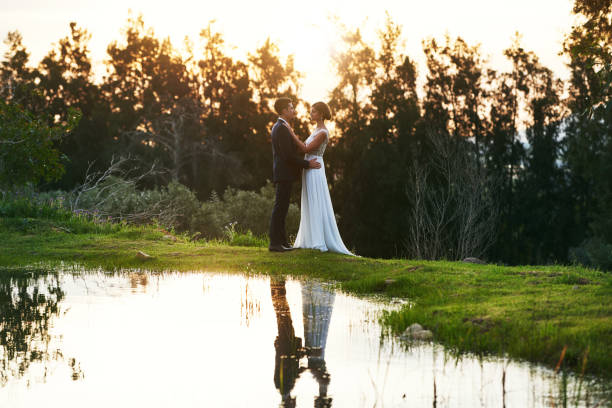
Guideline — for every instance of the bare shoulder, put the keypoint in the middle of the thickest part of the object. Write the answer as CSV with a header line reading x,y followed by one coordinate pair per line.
x,y
323,131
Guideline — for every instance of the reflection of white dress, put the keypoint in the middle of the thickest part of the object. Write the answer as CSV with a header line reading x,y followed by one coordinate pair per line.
x,y
317,306
318,229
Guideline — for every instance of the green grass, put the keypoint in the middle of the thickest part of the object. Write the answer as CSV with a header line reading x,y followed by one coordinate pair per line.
x,y
527,312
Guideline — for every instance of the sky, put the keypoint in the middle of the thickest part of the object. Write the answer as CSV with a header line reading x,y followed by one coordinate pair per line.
x,y
307,29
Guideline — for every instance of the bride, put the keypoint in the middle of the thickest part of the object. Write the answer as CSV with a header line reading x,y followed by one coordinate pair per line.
x,y
318,229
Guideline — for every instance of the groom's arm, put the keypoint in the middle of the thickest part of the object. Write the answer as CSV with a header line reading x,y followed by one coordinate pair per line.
x,y
287,149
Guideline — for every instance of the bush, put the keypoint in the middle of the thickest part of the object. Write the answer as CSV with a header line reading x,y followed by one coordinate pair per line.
x,y
240,218
118,199
251,210
210,220
37,214
594,253
235,238
247,211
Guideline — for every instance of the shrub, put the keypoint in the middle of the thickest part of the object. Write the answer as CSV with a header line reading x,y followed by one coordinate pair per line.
x,y
247,211
235,238
240,217
594,253
118,199
211,218
251,210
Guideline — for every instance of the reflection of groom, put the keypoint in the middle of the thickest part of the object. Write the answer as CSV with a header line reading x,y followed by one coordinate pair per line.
x,y
288,346
287,166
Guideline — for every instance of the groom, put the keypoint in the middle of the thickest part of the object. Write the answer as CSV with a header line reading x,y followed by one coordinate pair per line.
x,y
288,163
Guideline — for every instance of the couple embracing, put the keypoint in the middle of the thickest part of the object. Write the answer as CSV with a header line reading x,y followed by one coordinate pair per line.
x,y
318,229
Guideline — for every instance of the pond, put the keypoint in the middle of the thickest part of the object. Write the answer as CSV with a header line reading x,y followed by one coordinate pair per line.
x,y
136,338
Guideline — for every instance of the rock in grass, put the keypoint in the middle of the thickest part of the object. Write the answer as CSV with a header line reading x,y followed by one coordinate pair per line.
x,y
413,328
416,332
142,255
170,237
474,260
389,282
423,335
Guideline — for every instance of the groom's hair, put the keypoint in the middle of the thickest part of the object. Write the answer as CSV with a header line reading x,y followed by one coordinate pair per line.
x,y
281,104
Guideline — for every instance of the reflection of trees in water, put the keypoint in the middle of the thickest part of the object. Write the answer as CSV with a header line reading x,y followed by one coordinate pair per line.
x,y
28,304
317,304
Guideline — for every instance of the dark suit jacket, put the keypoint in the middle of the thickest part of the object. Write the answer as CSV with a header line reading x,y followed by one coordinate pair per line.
x,y
288,160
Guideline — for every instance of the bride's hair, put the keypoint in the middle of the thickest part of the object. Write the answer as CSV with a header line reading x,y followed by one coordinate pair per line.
x,y
323,109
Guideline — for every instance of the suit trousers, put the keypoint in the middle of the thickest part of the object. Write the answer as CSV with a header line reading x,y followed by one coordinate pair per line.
x,y
278,232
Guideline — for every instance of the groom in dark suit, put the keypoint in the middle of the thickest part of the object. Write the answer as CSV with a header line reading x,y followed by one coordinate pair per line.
x,y
287,167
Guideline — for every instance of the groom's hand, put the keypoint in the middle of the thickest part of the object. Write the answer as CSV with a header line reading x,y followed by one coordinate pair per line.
x,y
314,164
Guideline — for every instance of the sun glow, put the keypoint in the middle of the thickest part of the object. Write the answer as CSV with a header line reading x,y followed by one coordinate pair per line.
x,y
308,30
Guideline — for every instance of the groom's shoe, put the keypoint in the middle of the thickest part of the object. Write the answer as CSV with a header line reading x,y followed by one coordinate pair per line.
x,y
277,248
288,247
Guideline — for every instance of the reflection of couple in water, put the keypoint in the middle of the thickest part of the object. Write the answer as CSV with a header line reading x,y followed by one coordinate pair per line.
x,y
317,304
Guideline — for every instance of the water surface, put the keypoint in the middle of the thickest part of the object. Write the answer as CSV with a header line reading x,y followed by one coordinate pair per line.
x,y
75,338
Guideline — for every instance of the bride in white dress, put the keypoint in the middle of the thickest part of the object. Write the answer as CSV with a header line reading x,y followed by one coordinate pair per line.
x,y
318,229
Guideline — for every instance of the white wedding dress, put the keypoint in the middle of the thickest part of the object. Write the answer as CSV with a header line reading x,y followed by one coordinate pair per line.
x,y
318,229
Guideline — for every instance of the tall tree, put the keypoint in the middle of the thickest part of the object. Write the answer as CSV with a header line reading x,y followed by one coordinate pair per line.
x,y
66,81
376,111
588,153
456,98
150,97
18,79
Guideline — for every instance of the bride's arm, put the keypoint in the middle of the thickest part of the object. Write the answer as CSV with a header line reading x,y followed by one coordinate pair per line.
x,y
314,144
303,147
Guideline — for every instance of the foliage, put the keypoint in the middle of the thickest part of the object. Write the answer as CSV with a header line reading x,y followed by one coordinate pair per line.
x,y
27,153
34,214
241,217
594,253
454,204
235,238
245,211
204,117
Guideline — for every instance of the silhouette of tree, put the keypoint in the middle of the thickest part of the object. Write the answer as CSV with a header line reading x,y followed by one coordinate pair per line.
x,y
18,83
588,135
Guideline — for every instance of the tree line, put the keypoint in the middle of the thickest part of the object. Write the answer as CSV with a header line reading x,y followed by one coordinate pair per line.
x,y
512,166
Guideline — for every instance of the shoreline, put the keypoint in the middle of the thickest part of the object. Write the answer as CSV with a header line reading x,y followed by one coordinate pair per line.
x,y
529,313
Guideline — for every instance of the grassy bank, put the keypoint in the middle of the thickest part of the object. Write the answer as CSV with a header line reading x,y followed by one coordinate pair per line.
x,y
529,312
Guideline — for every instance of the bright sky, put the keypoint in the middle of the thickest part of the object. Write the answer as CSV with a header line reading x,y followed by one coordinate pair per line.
x,y
302,28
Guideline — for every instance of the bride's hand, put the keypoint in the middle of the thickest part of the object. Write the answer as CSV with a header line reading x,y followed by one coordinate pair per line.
x,y
297,139
290,129
301,145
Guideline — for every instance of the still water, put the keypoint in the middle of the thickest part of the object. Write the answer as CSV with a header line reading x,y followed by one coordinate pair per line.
x,y
76,338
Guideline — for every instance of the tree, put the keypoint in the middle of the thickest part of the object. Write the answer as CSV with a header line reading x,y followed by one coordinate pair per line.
x,y
376,114
151,98
456,98
453,203
27,154
18,79
66,81
588,145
